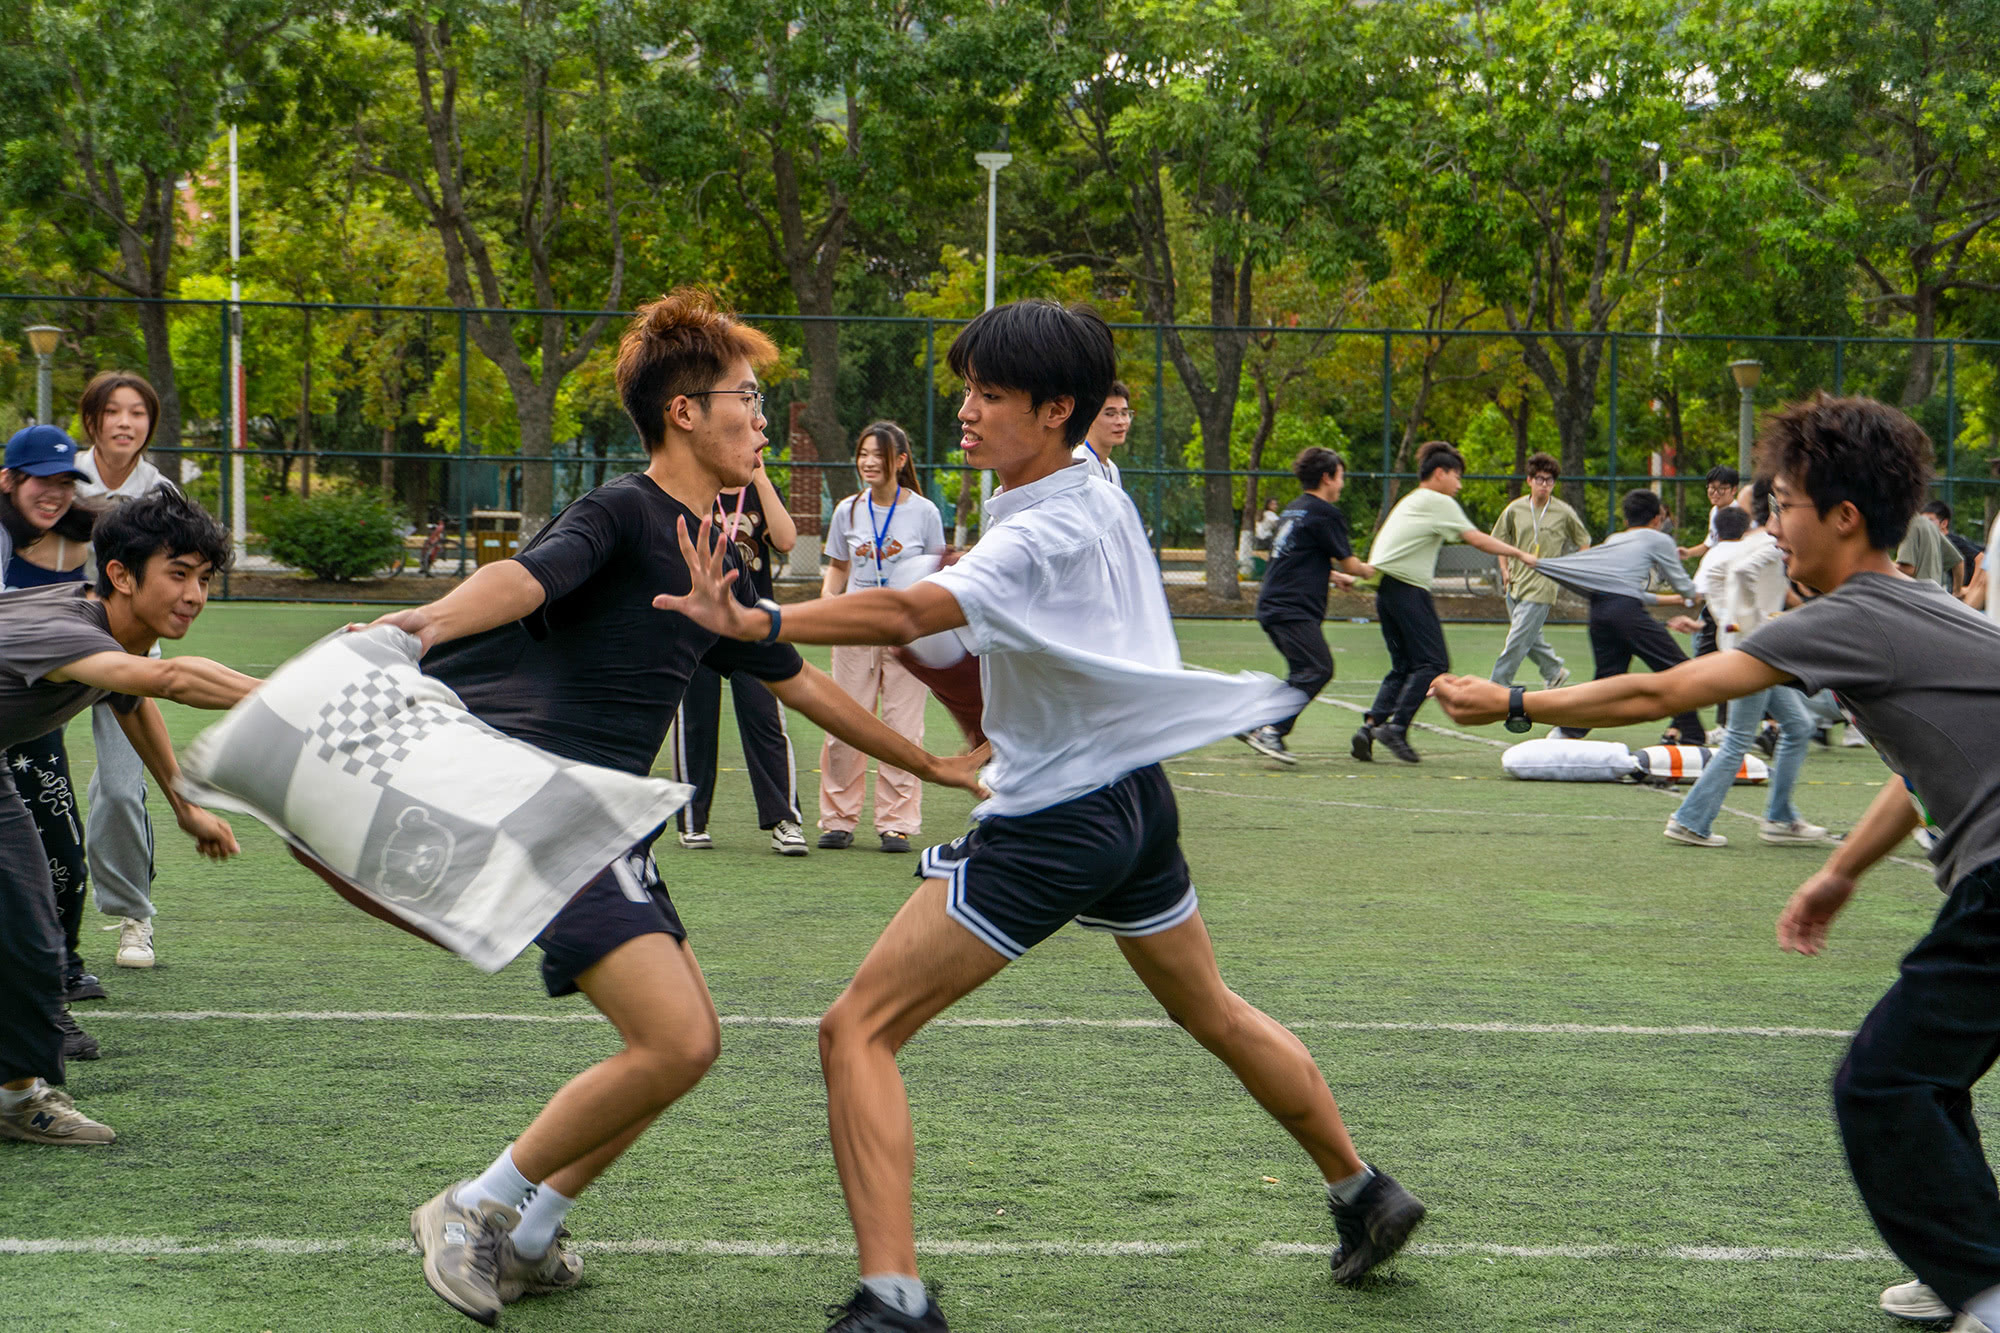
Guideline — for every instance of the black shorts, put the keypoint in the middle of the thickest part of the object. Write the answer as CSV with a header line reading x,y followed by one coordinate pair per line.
x,y
627,899
1109,860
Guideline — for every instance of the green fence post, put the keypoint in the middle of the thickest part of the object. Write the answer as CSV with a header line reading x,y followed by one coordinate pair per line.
x,y
1388,418
1159,438
464,444
228,437
1839,366
1611,484
930,409
1950,419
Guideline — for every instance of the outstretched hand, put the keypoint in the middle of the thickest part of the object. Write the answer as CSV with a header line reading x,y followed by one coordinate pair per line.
x,y
962,771
710,601
1471,701
1802,926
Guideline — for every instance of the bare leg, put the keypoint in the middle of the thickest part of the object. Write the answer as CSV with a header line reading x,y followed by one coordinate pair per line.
x,y
652,990
923,963
1178,967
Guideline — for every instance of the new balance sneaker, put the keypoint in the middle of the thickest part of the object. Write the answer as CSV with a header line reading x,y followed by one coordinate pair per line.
x,y
1788,833
1372,1227
1397,740
49,1116
1362,747
836,840
698,841
520,1276
895,842
1267,742
787,839
461,1251
1680,832
865,1313
135,942
77,1044
80,985
1916,1303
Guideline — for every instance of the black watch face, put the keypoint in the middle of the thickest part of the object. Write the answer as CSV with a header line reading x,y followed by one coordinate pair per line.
x,y
1518,724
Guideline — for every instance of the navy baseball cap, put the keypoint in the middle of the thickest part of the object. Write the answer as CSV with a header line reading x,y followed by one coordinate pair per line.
x,y
42,451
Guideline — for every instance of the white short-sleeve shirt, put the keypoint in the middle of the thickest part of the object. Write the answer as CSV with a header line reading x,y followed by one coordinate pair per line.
x,y
1064,604
1098,463
873,540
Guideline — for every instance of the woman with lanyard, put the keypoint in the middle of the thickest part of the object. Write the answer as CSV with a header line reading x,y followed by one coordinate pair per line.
x,y
44,539
119,411
871,533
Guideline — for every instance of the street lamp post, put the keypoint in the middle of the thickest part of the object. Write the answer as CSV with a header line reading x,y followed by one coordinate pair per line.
x,y
238,520
993,162
1747,374
43,338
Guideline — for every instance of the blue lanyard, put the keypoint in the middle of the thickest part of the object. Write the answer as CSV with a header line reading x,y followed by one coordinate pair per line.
x,y
882,535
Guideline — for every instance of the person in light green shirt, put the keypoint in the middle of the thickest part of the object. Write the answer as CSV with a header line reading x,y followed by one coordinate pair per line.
x,y
1540,523
1405,554
1927,553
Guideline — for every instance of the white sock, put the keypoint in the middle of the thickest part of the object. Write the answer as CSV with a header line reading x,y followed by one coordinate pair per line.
x,y
899,1291
10,1098
1345,1189
1985,1307
500,1182
540,1220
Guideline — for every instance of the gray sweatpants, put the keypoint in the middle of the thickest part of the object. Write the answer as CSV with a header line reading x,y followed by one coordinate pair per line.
x,y
118,834
1525,640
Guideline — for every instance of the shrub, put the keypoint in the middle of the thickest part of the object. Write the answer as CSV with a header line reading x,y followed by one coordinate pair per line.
x,y
337,535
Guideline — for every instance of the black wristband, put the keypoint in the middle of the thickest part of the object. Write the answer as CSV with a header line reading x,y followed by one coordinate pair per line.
x,y
1517,709
770,608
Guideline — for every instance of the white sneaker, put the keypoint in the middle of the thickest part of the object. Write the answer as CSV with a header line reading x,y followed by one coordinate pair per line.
x,y
49,1116
698,842
1562,679
1680,832
1796,831
135,942
788,840
1915,1302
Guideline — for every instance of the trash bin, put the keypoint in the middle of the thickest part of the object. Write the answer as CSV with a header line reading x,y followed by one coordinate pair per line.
x,y
496,534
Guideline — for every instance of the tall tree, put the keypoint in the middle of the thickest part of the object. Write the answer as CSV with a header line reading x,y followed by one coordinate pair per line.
x,y
505,127
111,105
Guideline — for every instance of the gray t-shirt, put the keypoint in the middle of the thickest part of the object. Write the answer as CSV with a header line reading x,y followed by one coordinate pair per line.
x,y
1921,670
41,630
1624,566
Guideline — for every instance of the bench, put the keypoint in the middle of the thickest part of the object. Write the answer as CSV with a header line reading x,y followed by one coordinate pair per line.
x,y
1469,563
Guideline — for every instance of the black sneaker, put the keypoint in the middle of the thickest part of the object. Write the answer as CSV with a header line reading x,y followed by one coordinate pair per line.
x,y
835,840
1373,1227
1767,741
1267,742
77,1044
895,842
864,1313
1363,745
1397,739
81,985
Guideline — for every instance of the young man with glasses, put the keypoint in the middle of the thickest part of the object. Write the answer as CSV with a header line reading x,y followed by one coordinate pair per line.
x,y
1540,523
1107,432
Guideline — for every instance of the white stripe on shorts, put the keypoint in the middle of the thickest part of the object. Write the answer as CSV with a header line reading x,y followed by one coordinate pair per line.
x,y
959,910
1151,925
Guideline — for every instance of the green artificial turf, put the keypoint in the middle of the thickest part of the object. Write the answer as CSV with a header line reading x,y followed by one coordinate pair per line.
x,y
1069,1177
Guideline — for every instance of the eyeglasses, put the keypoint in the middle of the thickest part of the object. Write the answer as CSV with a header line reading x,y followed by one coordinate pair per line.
x,y
1780,506
1116,414
750,396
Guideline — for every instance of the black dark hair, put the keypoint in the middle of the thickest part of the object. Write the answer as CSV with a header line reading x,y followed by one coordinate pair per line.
x,y
1760,501
1724,475
1314,465
1731,523
75,524
1437,456
1640,507
1118,390
1851,451
1043,349
163,523
1543,465
1941,509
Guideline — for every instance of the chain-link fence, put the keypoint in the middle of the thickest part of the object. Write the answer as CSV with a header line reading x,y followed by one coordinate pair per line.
x,y
450,416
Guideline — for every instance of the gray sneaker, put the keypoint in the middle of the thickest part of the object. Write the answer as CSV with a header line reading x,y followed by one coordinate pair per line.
x,y
461,1250
1267,742
788,839
49,1116
1915,1303
520,1276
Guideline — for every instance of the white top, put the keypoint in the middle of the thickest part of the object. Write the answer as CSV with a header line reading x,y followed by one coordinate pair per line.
x,y
1713,535
1099,464
144,480
1082,674
1745,588
859,524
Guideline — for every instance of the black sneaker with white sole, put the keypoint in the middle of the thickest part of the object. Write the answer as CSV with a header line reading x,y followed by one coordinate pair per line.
x,y
1397,741
1267,742
1363,745
82,986
1373,1227
865,1313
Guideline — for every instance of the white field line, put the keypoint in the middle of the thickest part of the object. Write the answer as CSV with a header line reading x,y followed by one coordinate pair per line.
x,y
1426,726
1419,809
168,1246
1114,1024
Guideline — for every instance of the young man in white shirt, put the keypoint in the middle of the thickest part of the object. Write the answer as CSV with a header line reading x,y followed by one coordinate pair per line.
x,y
1107,432
1084,696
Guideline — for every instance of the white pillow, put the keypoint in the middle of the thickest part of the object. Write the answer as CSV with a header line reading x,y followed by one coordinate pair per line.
x,y
1560,759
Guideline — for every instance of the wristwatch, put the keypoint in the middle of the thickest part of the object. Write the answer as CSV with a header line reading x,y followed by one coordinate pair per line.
x,y
1517,709
770,608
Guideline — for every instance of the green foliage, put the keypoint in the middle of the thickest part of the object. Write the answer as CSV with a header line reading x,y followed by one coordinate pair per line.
x,y
338,535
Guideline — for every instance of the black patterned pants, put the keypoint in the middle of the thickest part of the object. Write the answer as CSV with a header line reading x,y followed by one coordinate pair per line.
x,y
40,768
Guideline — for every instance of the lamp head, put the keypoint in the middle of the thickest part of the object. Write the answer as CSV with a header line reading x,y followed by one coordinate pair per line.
x,y
1747,373
44,338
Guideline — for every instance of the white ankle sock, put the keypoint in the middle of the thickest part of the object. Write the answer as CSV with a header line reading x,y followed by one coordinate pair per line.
x,y
500,1182
1345,1189
541,1218
899,1291
13,1097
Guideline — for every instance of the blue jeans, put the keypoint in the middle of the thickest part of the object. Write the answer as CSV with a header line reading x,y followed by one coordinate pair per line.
x,y
1746,718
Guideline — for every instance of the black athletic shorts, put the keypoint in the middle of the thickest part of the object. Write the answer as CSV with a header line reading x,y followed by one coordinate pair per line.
x,y
626,900
1109,860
